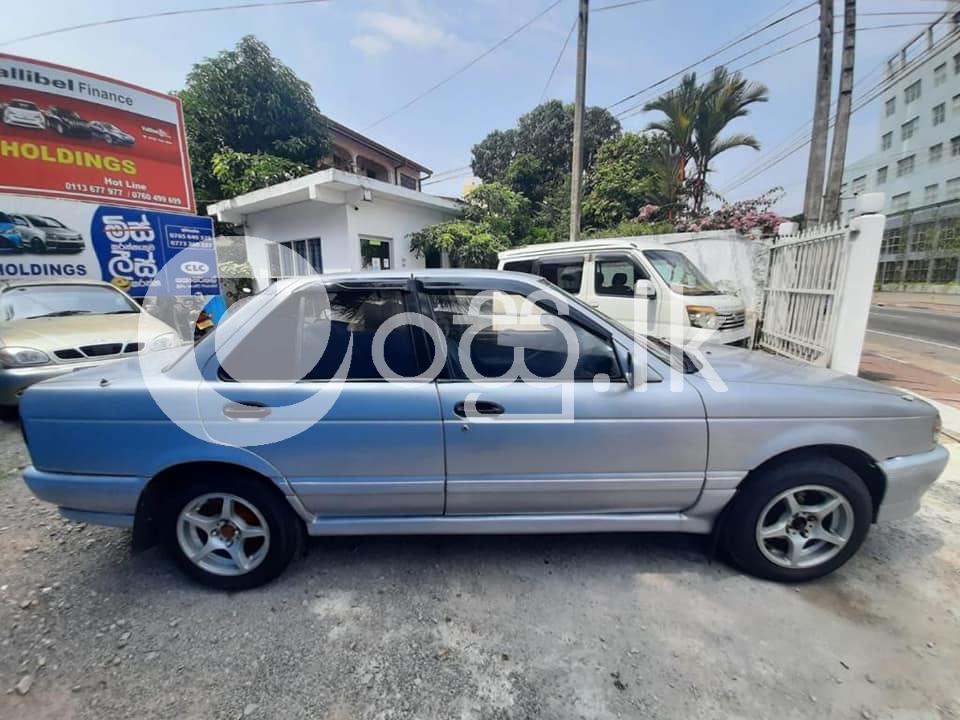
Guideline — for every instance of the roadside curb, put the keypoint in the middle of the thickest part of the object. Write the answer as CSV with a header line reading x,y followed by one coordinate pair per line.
x,y
949,416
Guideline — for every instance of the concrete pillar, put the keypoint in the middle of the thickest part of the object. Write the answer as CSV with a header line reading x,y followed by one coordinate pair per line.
x,y
863,253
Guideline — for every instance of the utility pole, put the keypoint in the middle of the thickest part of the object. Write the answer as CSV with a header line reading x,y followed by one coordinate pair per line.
x,y
576,166
813,197
838,153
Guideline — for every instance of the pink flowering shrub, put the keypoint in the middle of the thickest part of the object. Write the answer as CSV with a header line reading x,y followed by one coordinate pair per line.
x,y
743,216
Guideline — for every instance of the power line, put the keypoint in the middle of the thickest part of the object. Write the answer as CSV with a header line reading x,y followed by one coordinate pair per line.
x,y
553,70
167,13
620,5
466,67
711,55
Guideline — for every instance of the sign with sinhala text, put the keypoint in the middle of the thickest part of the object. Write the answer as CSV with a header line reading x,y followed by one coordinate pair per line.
x,y
71,134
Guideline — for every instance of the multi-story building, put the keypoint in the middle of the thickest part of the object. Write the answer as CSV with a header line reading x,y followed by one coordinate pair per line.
x,y
916,163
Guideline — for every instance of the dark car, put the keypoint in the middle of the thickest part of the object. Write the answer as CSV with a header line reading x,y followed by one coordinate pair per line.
x,y
110,133
67,122
10,238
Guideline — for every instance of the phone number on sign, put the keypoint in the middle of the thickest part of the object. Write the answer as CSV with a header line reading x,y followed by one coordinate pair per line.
x,y
119,192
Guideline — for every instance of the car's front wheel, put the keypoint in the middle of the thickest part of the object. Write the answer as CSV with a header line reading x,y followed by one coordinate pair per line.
x,y
231,533
798,521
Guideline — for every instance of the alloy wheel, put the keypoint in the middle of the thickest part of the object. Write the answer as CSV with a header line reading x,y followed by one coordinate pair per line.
x,y
805,526
223,534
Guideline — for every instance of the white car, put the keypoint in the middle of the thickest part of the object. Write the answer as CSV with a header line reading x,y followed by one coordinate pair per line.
x,y
644,285
24,113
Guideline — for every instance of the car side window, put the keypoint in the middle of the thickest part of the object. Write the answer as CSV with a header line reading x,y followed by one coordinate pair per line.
x,y
504,325
616,275
306,338
564,272
524,266
19,221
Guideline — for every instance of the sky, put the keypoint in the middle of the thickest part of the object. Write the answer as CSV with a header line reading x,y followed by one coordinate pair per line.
x,y
367,58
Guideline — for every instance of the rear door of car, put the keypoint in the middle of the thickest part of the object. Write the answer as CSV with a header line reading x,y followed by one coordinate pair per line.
x,y
349,442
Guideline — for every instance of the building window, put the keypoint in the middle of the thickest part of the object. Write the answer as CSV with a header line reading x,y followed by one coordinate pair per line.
x,y
949,234
911,93
944,270
909,128
881,175
916,271
302,257
888,272
900,202
930,193
939,75
886,142
953,188
859,184
956,105
921,235
905,165
936,152
408,182
955,146
956,64
939,114
891,106
892,242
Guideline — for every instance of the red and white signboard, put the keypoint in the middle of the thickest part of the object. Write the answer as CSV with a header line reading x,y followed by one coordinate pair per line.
x,y
72,134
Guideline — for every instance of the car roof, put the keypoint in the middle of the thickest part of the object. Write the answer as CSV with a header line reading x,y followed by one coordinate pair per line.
x,y
623,243
12,284
428,274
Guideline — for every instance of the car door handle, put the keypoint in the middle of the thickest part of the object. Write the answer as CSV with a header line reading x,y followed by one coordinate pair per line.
x,y
245,411
483,407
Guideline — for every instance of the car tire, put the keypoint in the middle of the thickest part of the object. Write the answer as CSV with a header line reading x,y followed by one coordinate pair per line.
x,y
264,532
36,246
779,528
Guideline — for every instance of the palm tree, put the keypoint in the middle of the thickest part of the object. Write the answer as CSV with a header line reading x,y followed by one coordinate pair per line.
x,y
696,115
680,106
723,99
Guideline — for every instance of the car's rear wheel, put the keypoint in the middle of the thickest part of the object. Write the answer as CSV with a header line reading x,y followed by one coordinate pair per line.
x,y
230,533
36,245
798,521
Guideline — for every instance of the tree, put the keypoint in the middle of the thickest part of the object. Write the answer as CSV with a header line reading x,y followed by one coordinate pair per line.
x,y
505,212
696,116
725,97
623,179
246,101
240,173
534,157
467,243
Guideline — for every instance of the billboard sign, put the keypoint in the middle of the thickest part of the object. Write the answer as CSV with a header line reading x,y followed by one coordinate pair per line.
x,y
71,134
133,248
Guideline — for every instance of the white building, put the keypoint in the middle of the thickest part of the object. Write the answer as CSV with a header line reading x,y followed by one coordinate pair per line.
x,y
354,215
917,158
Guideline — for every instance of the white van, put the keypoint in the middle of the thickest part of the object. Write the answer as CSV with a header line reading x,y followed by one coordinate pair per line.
x,y
644,285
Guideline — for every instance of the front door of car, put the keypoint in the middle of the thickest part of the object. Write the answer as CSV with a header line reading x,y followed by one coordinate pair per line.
x,y
612,291
349,442
571,435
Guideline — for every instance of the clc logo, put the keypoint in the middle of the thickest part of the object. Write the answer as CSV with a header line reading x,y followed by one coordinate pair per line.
x,y
195,267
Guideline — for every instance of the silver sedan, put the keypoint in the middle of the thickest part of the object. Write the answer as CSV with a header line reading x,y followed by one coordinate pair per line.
x,y
470,402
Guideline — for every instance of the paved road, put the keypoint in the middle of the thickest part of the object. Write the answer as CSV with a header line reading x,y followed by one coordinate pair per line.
x,y
932,327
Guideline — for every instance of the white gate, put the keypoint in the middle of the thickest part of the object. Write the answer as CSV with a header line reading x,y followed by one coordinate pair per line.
x,y
802,298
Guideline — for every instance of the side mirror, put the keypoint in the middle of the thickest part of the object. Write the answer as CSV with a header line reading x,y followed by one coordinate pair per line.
x,y
644,289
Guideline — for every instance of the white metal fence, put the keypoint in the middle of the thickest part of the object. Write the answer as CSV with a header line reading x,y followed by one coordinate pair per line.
x,y
803,295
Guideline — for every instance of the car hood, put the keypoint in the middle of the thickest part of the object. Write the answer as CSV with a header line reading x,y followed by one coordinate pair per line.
x,y
735,365
55,333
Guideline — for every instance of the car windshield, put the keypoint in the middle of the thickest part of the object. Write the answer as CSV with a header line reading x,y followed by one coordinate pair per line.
x,y
23,105
45,221
34,301
682,275
68,114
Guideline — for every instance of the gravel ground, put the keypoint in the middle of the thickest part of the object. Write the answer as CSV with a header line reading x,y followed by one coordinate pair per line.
x,y
475,627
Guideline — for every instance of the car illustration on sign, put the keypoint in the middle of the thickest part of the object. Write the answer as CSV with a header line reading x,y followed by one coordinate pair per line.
x,y
10,237
23,113
110,133
311,412
43,234
67,122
